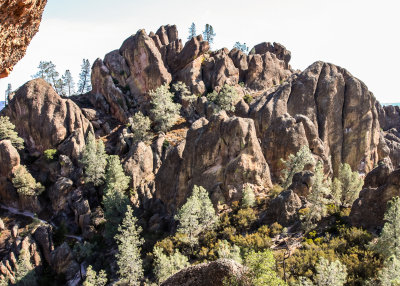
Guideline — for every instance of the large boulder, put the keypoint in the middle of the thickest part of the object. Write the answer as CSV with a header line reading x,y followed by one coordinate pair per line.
x,y
20,20
342,121
222,155
9,158
47,121
369,209
207,274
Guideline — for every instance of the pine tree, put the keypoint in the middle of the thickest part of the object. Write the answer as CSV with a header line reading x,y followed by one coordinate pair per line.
x,y
243,47
129,243
262,265
249,198
24,182
140,126
115,200
167,265
8,94
388,243
7,132
196,215
94,279
47,71
317,198
192,31
225,250
94,160
389,275
164,111
68,83
348,184
295,164
84,84
330,273
225,99
209,34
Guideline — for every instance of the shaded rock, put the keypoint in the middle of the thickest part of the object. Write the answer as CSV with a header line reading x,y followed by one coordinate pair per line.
x,y
62,262
379,175
221,155
43,236
302,183
241,62
9,158
138,164
20,20
389,116
218,70
35,105
283,209
206,274
369,209
59,194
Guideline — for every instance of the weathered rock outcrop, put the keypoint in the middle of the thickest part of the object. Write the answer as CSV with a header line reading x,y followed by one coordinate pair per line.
x,y
326,108
9,158
46,121
222,155
207,274
368,210
20,20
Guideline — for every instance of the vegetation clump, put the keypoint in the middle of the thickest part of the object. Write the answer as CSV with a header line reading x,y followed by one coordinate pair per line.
x,y
26,184
7,132
225,99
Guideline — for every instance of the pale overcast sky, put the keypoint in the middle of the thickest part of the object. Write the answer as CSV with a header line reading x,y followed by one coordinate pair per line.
x,y
359,35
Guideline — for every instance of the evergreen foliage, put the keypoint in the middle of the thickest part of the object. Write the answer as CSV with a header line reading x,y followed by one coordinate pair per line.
x,y
295,164
84,84
317,198
94,160
140,126
94,279
389,275
388,243
25,274
164,111
196,215
208,34
228,251
47,71
347,185
225,99
249,198
262,265
115,199
167,265
192,31
25,183
243,47
129,245
330,273
8,93
68,83
7,132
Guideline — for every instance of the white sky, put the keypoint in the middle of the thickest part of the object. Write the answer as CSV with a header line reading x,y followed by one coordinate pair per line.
x,y
359,35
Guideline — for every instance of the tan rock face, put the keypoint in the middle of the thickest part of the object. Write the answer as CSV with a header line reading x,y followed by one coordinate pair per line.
x,y
9,158
326,107
20,20
221,155
206,274
47,121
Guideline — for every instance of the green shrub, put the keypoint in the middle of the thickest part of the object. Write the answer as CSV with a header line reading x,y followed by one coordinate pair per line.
x,y
248,98
25,183
50,154
225,99
7,132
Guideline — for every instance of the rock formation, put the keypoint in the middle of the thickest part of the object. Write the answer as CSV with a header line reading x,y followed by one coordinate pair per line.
x,y
206,274
20,20
222,155
46,121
